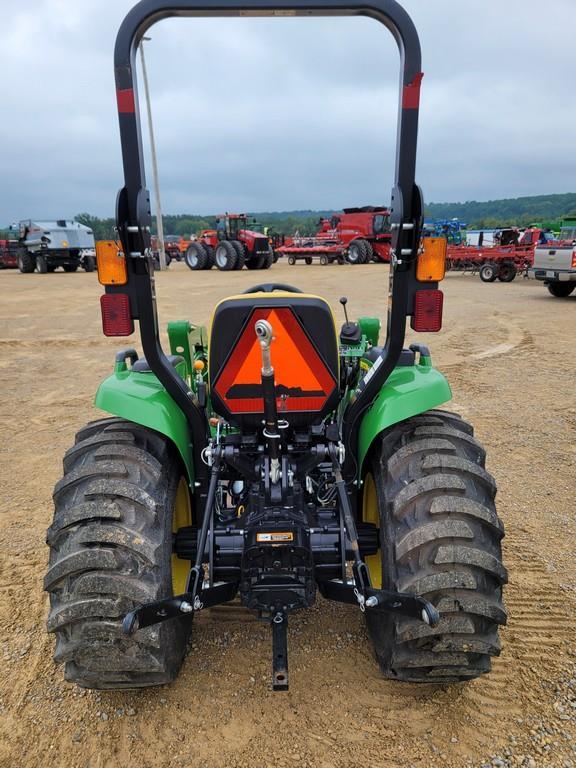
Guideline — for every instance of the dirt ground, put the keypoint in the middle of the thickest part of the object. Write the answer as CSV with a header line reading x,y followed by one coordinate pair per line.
x,y
508,350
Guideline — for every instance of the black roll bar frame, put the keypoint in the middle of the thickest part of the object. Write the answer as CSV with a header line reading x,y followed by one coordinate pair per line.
x,y
133,213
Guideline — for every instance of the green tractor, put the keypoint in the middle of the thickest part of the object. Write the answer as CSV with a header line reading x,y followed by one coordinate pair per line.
x,y
274,457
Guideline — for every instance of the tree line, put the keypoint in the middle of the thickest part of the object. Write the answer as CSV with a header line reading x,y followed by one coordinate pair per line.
x,y
520,211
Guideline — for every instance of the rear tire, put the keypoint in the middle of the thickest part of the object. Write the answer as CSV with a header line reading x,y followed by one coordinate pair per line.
x,y
41,264
561,290
210,252
26,263
440,537
507,273
196,256
324,260
226,256
488,273
292,261
88,264
111,550
240,253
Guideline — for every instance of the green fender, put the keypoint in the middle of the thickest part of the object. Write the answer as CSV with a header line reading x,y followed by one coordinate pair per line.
x,y
139,397
410,390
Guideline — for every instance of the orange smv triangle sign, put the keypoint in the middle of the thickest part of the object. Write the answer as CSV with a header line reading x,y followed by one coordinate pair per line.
x,y
303,382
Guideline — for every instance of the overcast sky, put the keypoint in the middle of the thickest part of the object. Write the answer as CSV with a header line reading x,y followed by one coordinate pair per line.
x,y
283,114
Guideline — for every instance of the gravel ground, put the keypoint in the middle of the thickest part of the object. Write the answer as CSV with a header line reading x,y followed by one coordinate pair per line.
x,y
507,350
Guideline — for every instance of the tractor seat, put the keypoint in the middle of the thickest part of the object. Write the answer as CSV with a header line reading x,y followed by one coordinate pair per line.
x,y
304,355
141,365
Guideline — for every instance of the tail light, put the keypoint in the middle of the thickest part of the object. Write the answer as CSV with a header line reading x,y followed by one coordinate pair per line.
x,y
574,259
427,316
116,317
111,263
431,265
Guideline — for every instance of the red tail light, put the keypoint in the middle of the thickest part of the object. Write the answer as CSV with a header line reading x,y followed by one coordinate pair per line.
x,y
574,259
116,318
427,317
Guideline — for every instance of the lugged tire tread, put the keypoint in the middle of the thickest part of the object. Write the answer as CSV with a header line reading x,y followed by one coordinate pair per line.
x,y
435,582
77,562
81,513
459,466
467,507
432,532
422,486
413,450
106,438
467,440
440,539
461,555
110,551
104,469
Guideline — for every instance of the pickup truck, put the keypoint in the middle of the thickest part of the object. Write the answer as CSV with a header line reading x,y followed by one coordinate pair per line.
x,y
555,265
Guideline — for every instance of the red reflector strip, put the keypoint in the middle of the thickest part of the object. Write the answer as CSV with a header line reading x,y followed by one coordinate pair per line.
x,y
411,93
125,101
427,317
116,318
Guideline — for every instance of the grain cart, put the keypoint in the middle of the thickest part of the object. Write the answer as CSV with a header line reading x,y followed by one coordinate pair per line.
x,y
47,245
273,458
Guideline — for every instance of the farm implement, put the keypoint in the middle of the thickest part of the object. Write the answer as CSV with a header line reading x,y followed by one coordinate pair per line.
x,y
512,254
275,457
357,235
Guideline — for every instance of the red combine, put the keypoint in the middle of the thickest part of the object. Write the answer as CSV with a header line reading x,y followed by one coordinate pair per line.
x,y
511,252
357,235
230,246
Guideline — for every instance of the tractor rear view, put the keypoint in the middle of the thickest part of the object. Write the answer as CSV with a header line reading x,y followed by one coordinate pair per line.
x,y
232,245
275,457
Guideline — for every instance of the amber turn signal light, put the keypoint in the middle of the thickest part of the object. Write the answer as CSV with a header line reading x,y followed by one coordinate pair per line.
x,y
431,266
111,263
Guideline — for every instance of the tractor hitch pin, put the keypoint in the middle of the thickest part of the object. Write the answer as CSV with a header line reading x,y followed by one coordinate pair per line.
x,y
264,333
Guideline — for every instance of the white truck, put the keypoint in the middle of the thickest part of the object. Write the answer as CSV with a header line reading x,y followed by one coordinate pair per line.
x,y
555,265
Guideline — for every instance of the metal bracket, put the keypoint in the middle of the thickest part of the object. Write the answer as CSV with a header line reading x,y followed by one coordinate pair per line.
x,y
178,606
371,599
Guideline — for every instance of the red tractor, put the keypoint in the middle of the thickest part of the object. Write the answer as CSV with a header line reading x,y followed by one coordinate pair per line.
x,y
230,246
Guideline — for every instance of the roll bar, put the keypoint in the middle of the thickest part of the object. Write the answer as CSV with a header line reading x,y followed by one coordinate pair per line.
x,y
133,214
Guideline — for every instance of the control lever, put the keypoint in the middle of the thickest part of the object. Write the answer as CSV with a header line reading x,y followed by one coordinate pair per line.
x,y
350,333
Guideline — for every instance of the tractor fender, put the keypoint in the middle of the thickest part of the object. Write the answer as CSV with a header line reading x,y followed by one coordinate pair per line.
x,y
140,398
409,390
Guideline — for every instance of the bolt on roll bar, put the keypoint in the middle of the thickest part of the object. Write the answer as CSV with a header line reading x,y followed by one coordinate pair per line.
x,y
133,213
